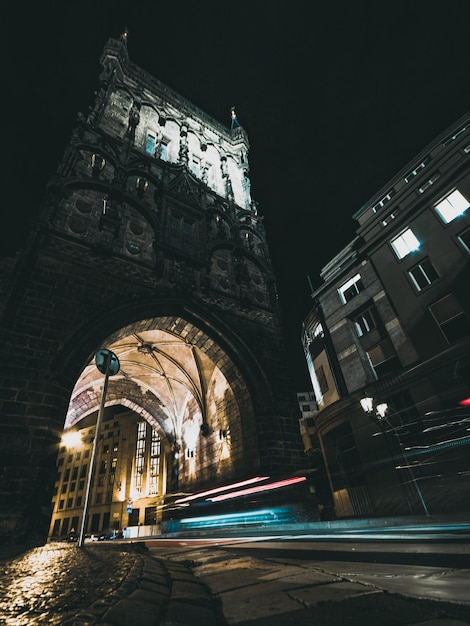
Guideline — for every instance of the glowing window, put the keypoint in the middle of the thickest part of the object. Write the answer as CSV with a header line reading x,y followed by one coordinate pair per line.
x,y
454,205
351,288
195,166
150,143
405,243
164,150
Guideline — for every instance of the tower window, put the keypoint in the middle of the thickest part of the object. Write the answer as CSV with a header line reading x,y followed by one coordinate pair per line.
x,y
150,143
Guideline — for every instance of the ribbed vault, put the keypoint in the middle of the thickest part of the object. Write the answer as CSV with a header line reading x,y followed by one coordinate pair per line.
x,y
177,378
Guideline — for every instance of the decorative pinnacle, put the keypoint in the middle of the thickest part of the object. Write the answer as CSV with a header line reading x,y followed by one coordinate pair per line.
x,y
235,122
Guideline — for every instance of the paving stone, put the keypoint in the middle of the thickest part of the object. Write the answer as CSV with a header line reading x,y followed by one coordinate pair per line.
x,y
180,613
132,612
334,592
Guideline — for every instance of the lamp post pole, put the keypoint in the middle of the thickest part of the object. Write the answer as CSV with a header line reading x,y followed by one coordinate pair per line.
x,y
108,364
380,410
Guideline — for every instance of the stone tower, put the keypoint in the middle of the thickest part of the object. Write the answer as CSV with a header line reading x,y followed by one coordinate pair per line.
x,y
148,244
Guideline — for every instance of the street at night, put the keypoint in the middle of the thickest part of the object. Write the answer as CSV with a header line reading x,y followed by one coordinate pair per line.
x,y
256,580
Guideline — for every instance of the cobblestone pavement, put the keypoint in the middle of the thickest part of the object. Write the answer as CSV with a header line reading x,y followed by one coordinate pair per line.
x,y
131,584
60,584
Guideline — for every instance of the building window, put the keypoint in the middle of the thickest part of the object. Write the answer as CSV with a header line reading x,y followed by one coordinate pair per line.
x,y
196,166
405,243
164,151
78,501
464,239
383,358
99,498
61,504
429,182
365,322
150,143
150,512
181,233
452,206
423,274
140,455
450,316
351,288
155,449
321,377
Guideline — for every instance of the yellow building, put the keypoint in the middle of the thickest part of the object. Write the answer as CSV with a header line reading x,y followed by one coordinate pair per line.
x,y
129,481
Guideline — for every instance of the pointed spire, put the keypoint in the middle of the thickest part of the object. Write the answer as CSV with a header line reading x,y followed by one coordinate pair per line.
x,y
235,122
124,35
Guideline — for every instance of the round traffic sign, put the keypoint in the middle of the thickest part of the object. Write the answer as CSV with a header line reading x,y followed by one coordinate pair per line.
x,y
107,362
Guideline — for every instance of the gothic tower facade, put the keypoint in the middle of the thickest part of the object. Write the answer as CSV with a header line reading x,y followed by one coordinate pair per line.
x,y
148,244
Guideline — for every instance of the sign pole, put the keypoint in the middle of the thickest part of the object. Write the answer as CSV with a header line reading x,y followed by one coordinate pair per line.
x,y
108,364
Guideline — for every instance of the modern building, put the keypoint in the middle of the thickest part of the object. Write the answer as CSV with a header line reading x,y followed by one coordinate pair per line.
x,y
387,344
149,244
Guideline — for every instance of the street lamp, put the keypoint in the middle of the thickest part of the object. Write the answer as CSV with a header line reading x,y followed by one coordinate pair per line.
x,y
108,364
71,439
380,412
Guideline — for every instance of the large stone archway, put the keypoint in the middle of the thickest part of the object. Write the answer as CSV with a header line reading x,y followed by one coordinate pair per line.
x,y
185,385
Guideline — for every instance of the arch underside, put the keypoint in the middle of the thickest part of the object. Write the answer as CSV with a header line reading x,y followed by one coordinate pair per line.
x,y
186,386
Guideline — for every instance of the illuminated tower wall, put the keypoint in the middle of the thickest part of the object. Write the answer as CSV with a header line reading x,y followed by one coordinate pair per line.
x,y
150,244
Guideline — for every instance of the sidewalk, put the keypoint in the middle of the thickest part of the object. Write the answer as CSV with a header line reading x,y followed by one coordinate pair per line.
x,y
129,584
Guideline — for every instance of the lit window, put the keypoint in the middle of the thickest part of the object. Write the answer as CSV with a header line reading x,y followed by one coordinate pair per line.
x,y
351,288
423,274
164,150
405,243
195,166
150,143
454,205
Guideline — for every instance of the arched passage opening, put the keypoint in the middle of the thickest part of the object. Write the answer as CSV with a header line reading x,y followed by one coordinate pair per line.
x,y
179,416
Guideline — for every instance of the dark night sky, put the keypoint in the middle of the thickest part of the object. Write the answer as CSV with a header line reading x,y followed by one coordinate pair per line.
x,y
336,97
